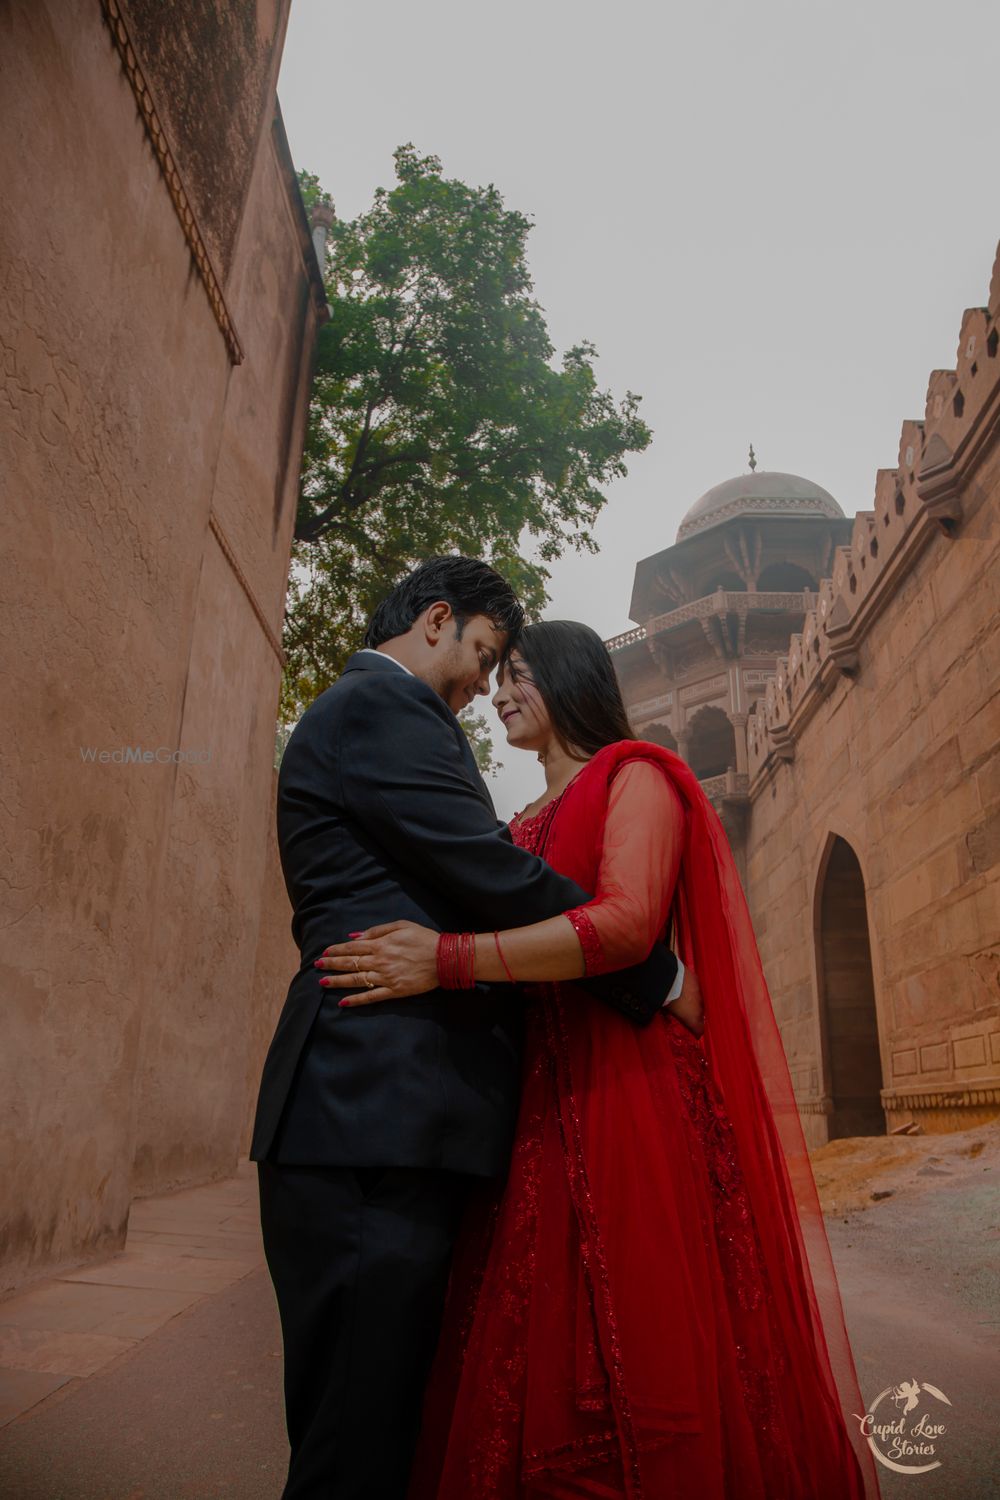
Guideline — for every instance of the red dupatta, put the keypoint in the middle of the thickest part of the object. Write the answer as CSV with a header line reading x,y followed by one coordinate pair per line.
x,y
650,1309
774,1254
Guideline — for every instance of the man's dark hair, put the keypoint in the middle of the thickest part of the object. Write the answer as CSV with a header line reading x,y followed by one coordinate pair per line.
x,y
469,586
573,672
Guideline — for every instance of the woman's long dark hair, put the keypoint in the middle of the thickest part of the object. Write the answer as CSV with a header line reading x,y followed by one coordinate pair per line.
x,y
573,672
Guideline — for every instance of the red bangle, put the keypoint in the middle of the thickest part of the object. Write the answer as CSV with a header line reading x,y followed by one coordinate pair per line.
x,y
456,960
506,966
444,951
449,977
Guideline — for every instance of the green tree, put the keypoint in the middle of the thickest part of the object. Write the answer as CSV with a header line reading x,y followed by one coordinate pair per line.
x,y
438,421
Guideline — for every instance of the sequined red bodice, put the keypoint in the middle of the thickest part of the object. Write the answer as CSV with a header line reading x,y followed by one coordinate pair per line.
x,y
530,831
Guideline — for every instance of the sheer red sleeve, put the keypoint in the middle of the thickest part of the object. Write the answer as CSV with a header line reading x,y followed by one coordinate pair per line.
x,y
640,861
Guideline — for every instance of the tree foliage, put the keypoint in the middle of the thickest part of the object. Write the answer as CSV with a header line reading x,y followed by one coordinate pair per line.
x,y
439,421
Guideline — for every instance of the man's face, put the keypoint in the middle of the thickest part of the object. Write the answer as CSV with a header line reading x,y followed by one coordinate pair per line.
x,y
464,665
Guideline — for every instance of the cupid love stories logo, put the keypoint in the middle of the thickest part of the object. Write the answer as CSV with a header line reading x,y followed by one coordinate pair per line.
x,y
914,1435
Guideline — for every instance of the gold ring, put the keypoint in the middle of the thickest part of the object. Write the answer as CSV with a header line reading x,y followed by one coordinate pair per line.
x,y
369,982
357,964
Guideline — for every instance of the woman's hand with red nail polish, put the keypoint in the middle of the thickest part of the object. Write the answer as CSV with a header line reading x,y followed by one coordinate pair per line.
x,y
391,962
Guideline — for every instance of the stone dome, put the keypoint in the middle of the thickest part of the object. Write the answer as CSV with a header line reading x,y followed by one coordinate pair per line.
x,y
758,494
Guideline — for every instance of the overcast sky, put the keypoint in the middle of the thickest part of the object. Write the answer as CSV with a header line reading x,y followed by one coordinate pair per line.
x,y
768,217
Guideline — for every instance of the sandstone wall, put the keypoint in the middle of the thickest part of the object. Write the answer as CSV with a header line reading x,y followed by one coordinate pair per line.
x,y
276,963
882,728
153,410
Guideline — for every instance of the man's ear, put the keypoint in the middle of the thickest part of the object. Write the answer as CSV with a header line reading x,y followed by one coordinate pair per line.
x,y
436,620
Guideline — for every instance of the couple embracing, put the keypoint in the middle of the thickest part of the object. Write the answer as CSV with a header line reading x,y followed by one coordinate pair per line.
x,y
535,1198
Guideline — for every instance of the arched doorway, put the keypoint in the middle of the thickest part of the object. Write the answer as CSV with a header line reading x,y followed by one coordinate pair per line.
x,y
657,734
728,580
847,998
785,578
711,745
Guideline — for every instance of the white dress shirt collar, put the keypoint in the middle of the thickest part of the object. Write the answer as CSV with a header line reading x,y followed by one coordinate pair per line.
x,y
370,651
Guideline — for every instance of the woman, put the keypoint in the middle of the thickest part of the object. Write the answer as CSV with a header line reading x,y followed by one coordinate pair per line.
x,y
636,1314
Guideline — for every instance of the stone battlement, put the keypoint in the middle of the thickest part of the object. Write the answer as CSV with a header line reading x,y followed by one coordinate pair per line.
x,y
918,501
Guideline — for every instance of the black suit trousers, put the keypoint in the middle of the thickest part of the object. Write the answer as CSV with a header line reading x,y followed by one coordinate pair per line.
x,y
359,1258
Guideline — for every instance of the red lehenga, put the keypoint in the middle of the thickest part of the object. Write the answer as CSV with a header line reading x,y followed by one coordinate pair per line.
x,y
649,1309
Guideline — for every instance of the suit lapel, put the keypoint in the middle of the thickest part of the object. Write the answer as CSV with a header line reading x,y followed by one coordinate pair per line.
x,y
475,774
367,661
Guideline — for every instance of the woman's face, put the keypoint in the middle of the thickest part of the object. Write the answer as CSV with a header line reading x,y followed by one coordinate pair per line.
x,y
521,706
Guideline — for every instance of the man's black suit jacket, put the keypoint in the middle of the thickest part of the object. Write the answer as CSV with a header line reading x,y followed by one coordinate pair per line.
x,y
383,816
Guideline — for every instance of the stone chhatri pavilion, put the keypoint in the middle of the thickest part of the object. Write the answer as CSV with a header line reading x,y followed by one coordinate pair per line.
x,y
716,611
835,684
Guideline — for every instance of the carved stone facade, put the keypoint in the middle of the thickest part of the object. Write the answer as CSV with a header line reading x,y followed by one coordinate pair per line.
x,y
692,671
161,296
860,722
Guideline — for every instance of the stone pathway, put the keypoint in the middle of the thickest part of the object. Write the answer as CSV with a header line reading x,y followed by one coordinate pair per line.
x,y
157,1375
919,1274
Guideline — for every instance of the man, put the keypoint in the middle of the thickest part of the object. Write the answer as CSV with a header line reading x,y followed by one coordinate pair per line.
x,y
373,1123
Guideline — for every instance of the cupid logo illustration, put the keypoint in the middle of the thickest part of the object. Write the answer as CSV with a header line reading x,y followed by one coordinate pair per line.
x,y
894,1438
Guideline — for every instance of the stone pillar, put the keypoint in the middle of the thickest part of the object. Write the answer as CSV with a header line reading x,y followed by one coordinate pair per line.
x,y
739,723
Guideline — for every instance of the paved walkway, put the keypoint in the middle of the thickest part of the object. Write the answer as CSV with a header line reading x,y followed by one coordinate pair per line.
x,y
157,1375
919,1276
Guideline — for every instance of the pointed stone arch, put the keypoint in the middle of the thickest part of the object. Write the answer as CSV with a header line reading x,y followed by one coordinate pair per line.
x,y
658,734
723,578
848,1016
785,578
710,742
